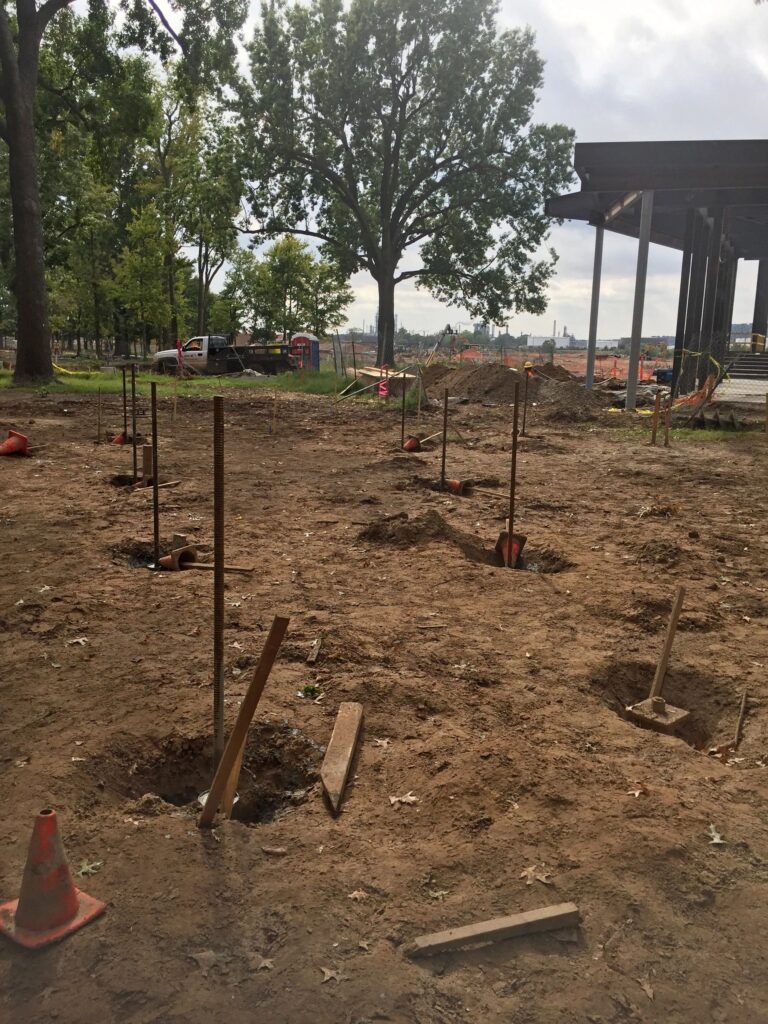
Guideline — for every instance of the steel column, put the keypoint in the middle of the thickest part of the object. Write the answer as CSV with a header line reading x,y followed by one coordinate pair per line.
x,y
760,317
687,379
710,296
646,217
597,270
682,302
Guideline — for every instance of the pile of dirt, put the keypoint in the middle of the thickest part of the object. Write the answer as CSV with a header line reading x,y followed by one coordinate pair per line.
x,y
492,382
553,371
568,402
402,531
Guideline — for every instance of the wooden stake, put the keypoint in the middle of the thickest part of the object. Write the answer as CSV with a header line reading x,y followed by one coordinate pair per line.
x,y
230,790
418,404
525,401
667,418
98,418
661,668
341,749
740,722
655,421
274,411
445,438
512,477
239,733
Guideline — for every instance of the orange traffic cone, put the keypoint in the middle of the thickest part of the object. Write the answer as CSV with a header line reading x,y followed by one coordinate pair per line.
x,y
49,906
15,444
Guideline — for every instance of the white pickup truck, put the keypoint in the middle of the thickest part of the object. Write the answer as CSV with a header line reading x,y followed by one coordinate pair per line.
x,y
215,354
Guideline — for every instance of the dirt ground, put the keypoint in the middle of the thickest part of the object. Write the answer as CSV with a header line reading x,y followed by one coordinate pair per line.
x,y
493,697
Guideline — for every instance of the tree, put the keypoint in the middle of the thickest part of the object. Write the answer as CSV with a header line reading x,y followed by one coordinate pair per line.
x,y
139,282
285,292
385,125
206,39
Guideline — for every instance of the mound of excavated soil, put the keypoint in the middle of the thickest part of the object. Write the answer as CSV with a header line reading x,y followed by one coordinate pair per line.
x,y
553,371
568,402
492,382
402,531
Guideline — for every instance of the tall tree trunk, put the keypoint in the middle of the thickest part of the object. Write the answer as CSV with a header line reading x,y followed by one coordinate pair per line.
x,y
200,286
170,270
33,355
385,352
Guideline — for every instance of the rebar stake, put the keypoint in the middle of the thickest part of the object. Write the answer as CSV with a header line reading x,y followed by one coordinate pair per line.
x,y
125,409
513,476
133,422
218,580
402,419
155,481
445,438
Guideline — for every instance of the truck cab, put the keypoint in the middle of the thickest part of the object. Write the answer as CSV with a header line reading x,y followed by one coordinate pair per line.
x,y
199,353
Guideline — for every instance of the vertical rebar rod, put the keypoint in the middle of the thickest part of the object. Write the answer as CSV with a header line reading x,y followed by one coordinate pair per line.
x,y
525,401
155,481
402,418
218,579
125,408
133,422
445,438
513,477
655,421
354,359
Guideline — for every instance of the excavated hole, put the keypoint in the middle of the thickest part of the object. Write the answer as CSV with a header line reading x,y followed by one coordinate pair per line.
x,y
280,764
713,703
121,480
138,554
545,560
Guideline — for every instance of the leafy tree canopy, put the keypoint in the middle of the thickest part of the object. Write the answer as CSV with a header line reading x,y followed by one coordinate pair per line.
x,y
387,126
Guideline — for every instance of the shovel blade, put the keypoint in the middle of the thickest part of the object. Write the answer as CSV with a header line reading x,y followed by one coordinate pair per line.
x,y
511,558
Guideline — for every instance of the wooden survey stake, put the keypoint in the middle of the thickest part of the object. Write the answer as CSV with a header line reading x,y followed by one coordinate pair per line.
x,y
561,915
341,750
654,710
236,742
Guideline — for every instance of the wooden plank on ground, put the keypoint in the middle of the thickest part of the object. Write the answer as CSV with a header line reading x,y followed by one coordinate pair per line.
x,y
561,915
341,750
314,650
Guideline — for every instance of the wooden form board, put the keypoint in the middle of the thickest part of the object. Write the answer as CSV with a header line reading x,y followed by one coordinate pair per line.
x,y
561,915
341,750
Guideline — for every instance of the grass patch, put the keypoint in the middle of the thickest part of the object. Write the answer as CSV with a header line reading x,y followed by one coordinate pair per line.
x,y
684,435
324,382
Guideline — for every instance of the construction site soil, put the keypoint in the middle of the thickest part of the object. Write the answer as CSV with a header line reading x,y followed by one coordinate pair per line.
x,y
494,703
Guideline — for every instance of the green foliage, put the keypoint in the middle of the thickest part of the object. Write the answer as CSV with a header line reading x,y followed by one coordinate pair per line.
x,y
138,273
383,125
289,290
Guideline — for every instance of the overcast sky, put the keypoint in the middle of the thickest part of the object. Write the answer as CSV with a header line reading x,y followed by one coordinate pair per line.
x,y
623,70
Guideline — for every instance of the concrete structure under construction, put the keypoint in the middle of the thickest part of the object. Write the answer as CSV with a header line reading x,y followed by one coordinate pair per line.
x,y
707,199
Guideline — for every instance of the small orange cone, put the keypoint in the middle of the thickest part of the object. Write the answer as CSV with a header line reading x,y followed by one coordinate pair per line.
x,y
119,439
49,906
15,444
